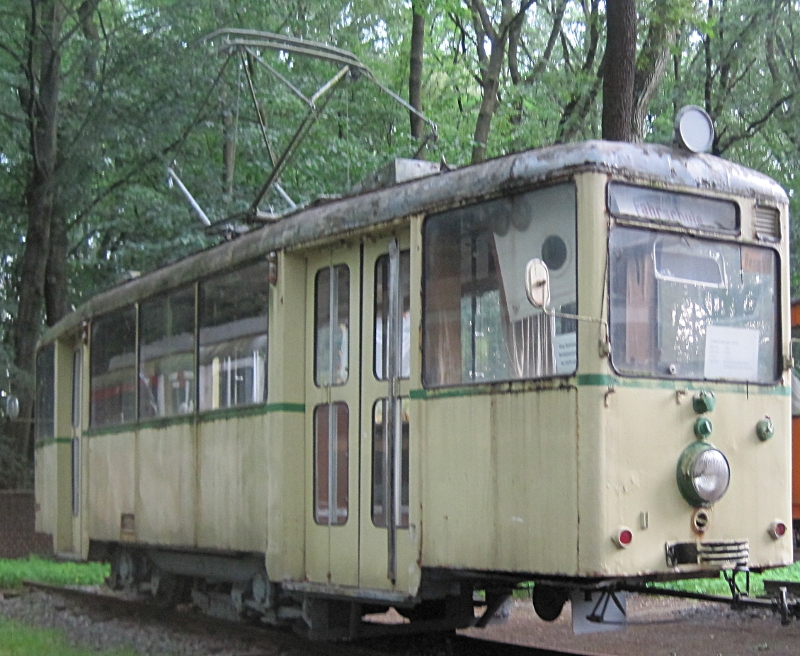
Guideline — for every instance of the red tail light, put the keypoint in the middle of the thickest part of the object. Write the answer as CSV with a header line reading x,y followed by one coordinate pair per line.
x,y
623,537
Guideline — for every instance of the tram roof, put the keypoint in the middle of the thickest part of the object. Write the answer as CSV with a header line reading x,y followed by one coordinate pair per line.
x,y
647,164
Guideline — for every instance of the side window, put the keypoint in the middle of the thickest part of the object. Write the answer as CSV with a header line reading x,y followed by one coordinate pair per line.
x,y
77,372
478,326
332,325
331,463
113,368
379,473
382,314
45,393
166,354
233,338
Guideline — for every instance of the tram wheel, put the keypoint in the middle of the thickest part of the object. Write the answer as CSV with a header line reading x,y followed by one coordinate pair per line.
x,y
123,570
548,601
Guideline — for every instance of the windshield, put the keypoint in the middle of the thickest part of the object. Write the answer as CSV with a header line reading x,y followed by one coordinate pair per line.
x,y
692,308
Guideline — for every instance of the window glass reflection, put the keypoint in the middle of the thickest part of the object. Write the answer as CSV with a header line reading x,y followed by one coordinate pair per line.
x,y
478,325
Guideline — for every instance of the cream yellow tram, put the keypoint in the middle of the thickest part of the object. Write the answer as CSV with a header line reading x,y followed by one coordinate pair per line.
x,y
568,366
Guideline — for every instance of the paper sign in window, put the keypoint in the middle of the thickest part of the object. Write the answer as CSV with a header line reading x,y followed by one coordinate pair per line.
x,y
731,353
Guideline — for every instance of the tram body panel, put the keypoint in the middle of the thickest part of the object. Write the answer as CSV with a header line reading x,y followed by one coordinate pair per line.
x,y
166,480
285,464
232,482
640,456
500,482
47,461
112,485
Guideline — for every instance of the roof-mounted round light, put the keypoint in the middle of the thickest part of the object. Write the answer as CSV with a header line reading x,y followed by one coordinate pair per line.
x,y
693,129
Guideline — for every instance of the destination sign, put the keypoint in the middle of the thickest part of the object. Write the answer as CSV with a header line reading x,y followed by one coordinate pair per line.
x,y
671,207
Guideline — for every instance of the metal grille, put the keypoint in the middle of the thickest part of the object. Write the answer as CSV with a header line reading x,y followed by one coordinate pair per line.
x,y
727,554
718,553
767,223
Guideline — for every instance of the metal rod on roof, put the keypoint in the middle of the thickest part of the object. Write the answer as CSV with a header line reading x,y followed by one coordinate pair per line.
x,y
195,206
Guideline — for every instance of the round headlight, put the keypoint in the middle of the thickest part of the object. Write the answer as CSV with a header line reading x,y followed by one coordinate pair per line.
x,y
703,474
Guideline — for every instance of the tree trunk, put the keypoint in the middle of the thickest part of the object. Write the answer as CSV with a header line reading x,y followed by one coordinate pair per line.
x,y
491,84
619,73
56,301
651,65
44,60
415,73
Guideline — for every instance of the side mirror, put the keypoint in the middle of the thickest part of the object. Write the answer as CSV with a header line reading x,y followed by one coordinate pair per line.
x,y
11,406
537,283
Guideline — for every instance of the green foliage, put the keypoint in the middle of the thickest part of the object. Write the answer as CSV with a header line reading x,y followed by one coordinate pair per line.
x,y
39,570
19,640
718,586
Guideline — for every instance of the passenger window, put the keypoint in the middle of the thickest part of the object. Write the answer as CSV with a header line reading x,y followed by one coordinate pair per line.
x,y
382,314
478,325
379,482
233,338
113,368
332,325
76,388
166,354
331,463
45,393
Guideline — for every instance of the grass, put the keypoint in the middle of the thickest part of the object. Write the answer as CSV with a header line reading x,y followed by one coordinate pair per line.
x,y
14,572
19,640
719,587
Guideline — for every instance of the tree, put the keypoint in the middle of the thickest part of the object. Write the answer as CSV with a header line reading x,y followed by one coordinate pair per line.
x,y
491,63
618,77
415,66
82,133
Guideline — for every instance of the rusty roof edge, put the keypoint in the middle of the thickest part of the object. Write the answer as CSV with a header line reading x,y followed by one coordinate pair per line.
x,y
642,162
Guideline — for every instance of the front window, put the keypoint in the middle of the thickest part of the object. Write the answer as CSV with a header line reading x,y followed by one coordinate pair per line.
x,y
478,324
693,308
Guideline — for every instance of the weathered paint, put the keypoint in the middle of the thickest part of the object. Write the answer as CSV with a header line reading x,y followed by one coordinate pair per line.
x,y
641,456
500,482
232,475
531,477
112,483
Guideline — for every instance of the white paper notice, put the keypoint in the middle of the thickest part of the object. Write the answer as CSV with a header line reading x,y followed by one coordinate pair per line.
x,y
731,353
566,347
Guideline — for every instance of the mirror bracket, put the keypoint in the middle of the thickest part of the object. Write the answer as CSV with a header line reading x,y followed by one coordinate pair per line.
x,y
537,289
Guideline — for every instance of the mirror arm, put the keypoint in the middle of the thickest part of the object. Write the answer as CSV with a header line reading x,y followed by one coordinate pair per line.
x,y
604,343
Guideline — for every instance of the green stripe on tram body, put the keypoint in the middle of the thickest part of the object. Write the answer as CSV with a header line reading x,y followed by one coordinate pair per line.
x,y
602,380
200,418
49,441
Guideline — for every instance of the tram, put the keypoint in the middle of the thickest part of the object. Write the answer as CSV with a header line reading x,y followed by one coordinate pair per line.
x,y
568,365
795,320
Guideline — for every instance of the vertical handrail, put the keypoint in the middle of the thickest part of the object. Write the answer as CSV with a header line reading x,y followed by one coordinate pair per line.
x,y
393,371
333,419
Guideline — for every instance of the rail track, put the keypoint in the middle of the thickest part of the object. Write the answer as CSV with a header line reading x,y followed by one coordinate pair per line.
x,y
235,638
